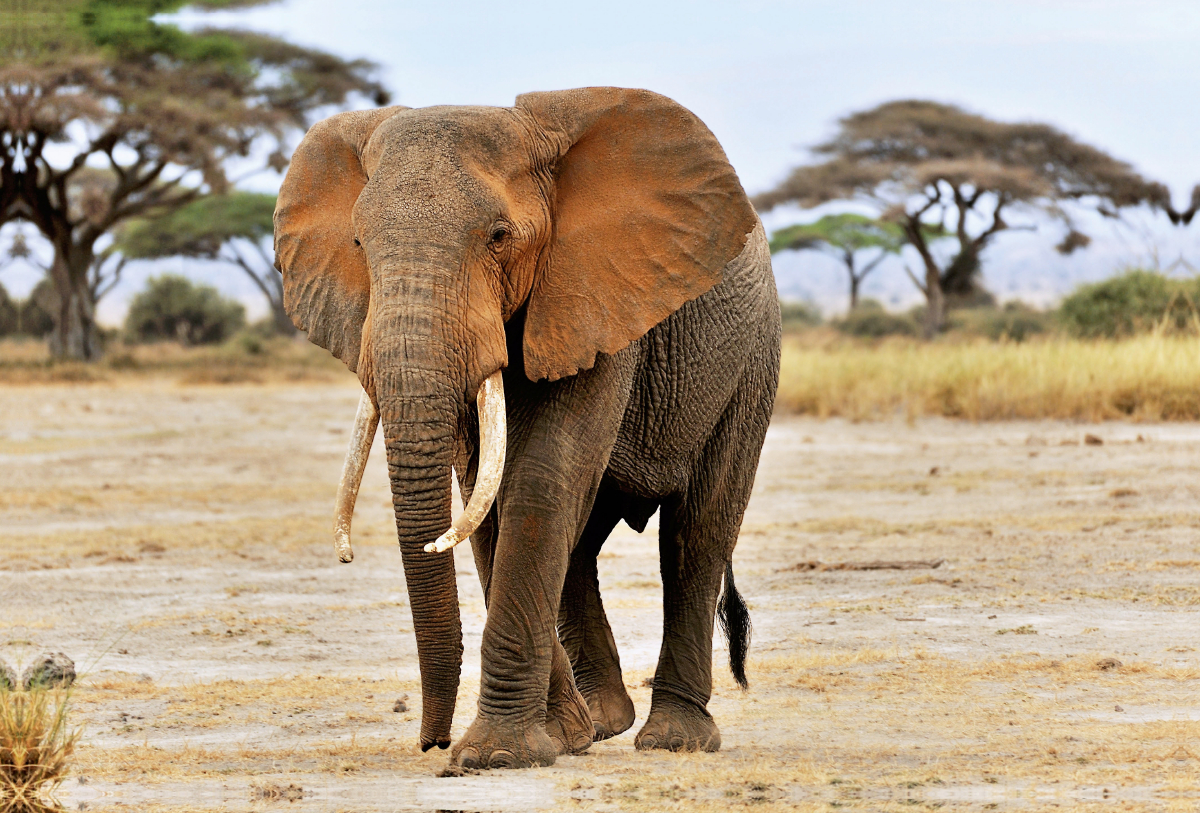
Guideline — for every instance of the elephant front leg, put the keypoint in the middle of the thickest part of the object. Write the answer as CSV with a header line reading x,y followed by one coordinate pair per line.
x,y
560,439
529,711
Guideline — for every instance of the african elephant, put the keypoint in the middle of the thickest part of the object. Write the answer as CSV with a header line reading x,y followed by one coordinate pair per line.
x,y
569,304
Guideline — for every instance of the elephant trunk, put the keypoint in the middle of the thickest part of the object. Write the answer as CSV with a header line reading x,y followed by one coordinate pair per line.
x,y
420,400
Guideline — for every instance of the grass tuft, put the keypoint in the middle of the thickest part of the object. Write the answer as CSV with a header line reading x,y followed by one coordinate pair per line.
x,y
35,745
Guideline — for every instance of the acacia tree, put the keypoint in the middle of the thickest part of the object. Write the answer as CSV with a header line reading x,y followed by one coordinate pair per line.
x,y
100,85
923,163
847,236
234,228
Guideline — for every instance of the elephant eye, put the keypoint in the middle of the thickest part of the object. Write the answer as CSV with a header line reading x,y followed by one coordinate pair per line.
x,y
499,235
357,243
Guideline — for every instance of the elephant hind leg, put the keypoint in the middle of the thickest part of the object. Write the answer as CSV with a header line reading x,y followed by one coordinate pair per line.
x,y
568,718
583,625
698,530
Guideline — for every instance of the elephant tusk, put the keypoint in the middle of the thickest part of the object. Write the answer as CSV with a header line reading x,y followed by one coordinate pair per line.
x,y
493,440
365,422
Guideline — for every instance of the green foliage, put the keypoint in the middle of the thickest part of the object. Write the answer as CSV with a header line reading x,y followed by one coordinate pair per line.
x,y
175,308
1015,322
200,228
1135,302
870,320
843,232
799,315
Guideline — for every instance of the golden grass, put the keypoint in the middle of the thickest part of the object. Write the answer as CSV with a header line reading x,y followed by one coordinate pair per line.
x,y
35,745
275,360
1147,378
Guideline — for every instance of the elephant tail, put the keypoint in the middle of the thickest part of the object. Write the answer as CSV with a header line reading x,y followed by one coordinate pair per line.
x,y
735,623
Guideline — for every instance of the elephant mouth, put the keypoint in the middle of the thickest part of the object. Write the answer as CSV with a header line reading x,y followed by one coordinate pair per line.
x,y
493,441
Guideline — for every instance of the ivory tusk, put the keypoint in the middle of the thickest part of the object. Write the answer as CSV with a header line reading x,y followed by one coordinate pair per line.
x,y
493,440
365,422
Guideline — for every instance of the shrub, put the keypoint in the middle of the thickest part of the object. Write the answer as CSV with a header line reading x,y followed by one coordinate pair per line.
x,y
870,320
799,315
1134,302
175,308
1015,322
36,311
9,313
26,317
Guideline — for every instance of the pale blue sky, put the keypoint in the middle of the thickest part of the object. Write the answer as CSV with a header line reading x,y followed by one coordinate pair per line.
x,y
771,77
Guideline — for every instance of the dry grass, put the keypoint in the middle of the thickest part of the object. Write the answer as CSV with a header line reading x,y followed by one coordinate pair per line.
x,y
35,746
1147,378
236,362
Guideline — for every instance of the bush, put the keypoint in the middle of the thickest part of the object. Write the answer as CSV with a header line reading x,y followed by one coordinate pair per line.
x,y
1135,302
799,315
1015,322
27,317
870,320
9,314
36,311
175,308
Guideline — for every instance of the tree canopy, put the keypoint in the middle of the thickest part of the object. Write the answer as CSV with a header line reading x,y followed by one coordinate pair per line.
x,y
922,162
101,85
232,228
844,236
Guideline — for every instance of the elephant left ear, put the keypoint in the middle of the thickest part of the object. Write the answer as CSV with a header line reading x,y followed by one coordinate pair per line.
x,y
647,212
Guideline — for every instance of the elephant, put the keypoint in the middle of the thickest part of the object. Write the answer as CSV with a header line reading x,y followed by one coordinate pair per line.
x,y
568,305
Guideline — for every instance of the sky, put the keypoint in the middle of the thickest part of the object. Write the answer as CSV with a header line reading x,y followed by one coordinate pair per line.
x,y
771,78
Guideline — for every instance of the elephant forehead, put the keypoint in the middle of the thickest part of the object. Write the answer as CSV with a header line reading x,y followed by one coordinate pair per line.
x,y
486,137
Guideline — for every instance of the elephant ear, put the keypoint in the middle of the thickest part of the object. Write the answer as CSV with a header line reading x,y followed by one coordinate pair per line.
x,y
326,282
647,212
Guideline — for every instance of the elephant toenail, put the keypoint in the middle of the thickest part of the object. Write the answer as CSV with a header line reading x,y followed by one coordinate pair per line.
x,y
468,758
502,759
647,741
676,744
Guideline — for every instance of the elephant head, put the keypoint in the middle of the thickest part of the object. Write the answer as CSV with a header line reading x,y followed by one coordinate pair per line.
x,y
407,238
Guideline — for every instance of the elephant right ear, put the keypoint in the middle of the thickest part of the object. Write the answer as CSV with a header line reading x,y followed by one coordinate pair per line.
x,y
326,282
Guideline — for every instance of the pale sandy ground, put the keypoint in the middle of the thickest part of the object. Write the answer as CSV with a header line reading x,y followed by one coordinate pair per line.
x,y
174,542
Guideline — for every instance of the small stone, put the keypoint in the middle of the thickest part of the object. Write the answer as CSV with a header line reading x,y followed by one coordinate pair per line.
x,y
1104,664
1118,708
1093,440
400,705
8,677
50,671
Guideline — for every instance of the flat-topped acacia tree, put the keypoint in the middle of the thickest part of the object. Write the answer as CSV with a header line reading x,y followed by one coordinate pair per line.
x,y
102,85
861,243
923,163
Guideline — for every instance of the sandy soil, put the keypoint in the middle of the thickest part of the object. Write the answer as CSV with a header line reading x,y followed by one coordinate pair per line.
x,y
174,541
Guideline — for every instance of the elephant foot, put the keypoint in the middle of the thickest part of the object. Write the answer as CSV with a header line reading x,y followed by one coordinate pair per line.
x,y
675,725
491,743
568,721
611,710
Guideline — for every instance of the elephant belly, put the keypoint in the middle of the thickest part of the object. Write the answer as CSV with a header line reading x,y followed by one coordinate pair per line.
x,y
696,364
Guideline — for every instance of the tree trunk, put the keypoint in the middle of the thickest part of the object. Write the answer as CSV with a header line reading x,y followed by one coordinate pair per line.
x,y
935,302
960,282
75,337
854,283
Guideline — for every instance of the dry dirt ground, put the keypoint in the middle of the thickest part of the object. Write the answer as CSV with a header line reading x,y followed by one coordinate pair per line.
x,y
174,540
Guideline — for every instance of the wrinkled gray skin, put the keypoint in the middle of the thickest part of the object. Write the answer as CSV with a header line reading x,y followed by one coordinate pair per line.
x,y
672,421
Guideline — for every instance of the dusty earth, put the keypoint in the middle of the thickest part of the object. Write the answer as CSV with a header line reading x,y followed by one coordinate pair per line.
x,y
174,540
